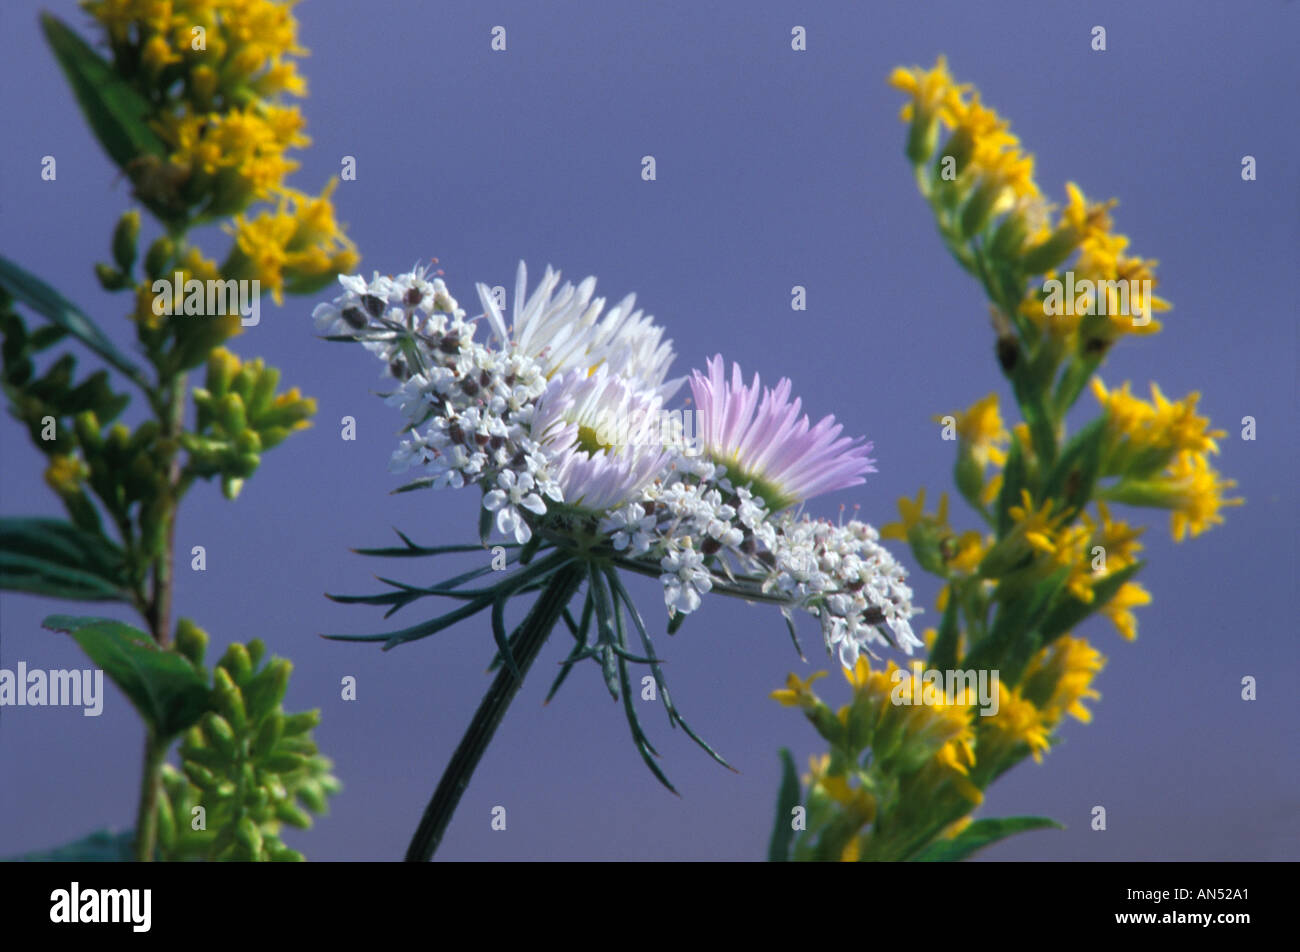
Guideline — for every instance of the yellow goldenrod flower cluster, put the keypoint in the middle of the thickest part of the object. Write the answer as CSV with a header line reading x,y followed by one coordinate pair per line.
x,y
1059,679
936,545
921,756
1050,553
981,185
224,50
213,73
1056,682
297,248
1160,450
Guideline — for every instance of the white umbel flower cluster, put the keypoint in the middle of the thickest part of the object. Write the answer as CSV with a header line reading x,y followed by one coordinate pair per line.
x,y
527,418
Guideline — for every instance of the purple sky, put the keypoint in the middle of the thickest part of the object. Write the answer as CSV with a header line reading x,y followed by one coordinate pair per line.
x,y
775,168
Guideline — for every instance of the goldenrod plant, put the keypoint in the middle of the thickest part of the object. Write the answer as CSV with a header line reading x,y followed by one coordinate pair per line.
x,y
188,103
913,753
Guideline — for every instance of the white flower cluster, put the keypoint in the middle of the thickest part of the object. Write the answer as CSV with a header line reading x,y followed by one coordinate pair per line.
x,y
523,420
470,407
707,535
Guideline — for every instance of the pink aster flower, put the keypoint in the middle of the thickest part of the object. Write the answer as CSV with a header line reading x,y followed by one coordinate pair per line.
x,y
759,436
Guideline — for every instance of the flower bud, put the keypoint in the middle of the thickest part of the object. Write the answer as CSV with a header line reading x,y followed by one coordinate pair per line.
x,y
268,734
125,236
230,414
110,279
191,640
249,836
157,260
219,733
295,724
230,701
237,662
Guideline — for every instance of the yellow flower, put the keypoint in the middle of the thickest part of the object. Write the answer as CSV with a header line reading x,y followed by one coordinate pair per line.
x,y
65,474
1118,539
912,514
298,244
929,88
797,692
1198,490
1101,259
235,156
967,552
1017,722
910,720
1060,679
1144,435
1036,524
251,42
980,427
1129,596
991,489
1090,220
994,155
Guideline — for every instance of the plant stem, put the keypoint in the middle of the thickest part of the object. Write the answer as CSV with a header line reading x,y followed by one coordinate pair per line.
x,y
158,615
525,644
163,575
146,818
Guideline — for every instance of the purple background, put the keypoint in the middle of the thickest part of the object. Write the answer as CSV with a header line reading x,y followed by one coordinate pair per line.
x,y
775,168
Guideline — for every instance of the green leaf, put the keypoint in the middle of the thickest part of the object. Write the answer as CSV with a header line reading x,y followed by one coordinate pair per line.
x,y
1013,480
43,299
943,655
167,690
102,846
980,834
787,799
115,111
53,557
1071,612
1014,625
1075,473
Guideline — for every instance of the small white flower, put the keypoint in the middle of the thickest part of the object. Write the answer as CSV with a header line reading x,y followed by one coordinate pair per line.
x,y
684,580
515,493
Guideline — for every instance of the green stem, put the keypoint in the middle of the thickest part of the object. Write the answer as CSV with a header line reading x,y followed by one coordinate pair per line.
x,y
158,614
146,819
173,421
525,644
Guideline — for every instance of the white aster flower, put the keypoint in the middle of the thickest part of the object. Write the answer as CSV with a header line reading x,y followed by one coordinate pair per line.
x,y
564,330
599,433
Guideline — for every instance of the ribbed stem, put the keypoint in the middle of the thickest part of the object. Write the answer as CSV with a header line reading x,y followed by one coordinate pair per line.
x,y
526,643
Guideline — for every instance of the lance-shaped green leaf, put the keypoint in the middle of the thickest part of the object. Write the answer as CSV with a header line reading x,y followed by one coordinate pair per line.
x,y
116,112
778,850
1070,612
43,299
1014,476
167,690
1016,622
1075,473
943,656
53,557
980,834
410,549
674,716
